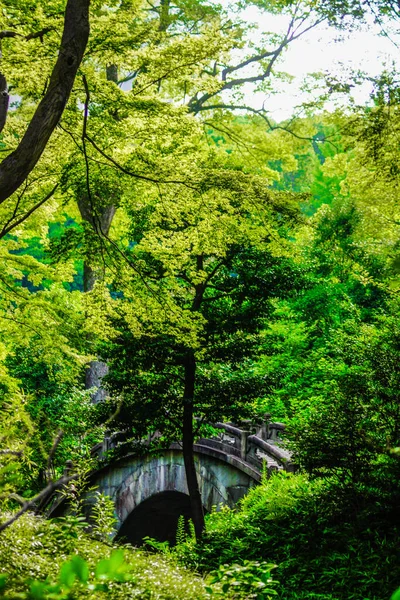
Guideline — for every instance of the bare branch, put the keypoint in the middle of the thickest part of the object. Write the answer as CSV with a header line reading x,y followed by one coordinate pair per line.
x,y
39,34
259,112
9,34
195,105
10,452
10,225
136,175
294,31
243,64
30,36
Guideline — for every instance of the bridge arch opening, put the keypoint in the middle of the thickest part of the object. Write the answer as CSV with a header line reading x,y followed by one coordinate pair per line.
x,y
156,517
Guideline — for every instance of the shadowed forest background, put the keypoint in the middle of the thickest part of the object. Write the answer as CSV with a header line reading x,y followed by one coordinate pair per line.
x,y
171,257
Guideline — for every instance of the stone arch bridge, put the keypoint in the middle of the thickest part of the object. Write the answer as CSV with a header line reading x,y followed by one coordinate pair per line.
x,y
150,491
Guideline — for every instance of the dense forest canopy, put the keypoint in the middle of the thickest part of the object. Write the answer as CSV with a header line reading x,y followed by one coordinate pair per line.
x,y
172,256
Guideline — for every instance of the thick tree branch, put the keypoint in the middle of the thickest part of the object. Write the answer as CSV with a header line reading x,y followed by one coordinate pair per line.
x,y
294,31
47,491
259,112
17,166
4,101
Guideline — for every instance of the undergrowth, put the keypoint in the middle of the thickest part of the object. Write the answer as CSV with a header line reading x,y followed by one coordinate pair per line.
x,y
328,543
36,555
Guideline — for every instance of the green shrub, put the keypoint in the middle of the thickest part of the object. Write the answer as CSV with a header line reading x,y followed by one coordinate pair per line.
x,y
103,513
45,559
251,579
328,545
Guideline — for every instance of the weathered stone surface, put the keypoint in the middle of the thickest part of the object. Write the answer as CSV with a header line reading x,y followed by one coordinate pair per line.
x,y
150,493
93,380
136,479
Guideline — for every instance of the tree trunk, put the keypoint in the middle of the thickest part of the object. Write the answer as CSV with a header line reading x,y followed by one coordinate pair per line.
x,y
196,504
4,101
16,167
96,369
101,222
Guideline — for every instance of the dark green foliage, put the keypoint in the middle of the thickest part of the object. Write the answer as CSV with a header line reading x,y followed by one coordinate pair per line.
x,y
324,546
53,403
330,359
147,372
336,386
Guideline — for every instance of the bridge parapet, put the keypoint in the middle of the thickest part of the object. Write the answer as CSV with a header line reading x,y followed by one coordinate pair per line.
x,y
254,444
228,463
263,446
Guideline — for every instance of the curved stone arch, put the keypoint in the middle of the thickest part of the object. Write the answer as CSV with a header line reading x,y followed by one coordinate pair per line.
x,y
223,479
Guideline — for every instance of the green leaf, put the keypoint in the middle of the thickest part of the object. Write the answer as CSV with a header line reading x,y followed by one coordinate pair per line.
x,y
116,559
75,568
67,574
81,569
396,595
112,568
43,590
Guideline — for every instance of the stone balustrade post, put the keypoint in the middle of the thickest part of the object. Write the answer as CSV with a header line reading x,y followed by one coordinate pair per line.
x,y
273,434
244,434
69,467
106,441
266,432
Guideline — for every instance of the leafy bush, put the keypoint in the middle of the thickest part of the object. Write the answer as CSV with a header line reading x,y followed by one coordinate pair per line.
x,y
327,546
75,576
252,579
45,559
103,513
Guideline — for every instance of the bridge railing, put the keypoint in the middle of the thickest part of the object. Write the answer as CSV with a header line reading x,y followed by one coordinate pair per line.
x,y
254,448
255,444
109,442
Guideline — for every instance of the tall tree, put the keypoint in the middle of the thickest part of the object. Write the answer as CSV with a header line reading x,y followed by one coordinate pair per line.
x,y
196,271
